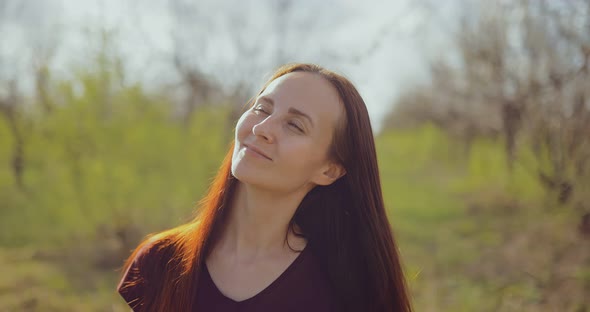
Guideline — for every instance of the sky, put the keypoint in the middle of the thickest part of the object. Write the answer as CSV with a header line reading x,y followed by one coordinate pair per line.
x,y
383,47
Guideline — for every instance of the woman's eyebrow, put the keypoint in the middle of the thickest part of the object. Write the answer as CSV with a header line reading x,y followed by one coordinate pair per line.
x,y
266,99
292,110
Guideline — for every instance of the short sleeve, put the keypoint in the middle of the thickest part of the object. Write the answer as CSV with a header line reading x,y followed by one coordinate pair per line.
x,y
132,284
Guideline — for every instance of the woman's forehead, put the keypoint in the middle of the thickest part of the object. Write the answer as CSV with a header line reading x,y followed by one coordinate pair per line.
x,y
304,90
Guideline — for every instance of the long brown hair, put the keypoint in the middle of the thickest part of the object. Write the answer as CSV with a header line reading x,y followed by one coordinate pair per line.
x,y
345,224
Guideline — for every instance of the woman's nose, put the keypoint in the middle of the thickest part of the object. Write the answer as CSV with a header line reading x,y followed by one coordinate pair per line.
x,y
264,129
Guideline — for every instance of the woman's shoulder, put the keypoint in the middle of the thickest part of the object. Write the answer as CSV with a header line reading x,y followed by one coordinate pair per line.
x,y
145,264
152,251
156,252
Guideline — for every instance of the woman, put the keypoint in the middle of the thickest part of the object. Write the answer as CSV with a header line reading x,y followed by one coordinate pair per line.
x,y
294,220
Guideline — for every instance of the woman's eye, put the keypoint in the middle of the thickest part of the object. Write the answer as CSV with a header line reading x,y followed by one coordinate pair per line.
x,y
295,126
260,110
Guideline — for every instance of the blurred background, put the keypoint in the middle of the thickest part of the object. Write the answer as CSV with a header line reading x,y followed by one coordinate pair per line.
x,y
115,114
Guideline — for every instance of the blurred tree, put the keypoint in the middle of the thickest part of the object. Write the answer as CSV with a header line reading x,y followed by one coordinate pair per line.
x,y
526,79
10,109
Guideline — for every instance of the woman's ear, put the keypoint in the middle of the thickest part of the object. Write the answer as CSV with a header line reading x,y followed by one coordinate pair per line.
x,y
330,174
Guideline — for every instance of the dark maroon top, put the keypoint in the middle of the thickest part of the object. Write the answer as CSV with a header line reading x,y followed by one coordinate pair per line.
x,y
303,286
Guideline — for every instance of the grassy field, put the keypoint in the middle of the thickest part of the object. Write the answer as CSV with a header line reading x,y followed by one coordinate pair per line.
x,y
474,236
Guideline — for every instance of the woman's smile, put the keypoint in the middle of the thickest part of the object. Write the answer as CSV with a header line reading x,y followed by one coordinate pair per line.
x,y
255,152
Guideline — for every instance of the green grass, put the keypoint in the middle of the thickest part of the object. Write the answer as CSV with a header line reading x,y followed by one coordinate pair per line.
x,y
456,215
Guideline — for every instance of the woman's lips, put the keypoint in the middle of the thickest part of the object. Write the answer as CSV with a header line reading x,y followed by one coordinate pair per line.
x,y
256,151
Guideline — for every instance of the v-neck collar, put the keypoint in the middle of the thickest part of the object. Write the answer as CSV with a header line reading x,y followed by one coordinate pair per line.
x,y
261,294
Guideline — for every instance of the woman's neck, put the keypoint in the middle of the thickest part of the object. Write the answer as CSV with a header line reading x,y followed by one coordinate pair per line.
x,y
258,223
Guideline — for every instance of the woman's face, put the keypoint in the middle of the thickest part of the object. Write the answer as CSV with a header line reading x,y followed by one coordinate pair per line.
x,y
282,141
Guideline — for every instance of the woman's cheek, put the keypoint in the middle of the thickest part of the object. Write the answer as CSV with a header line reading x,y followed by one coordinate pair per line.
x,y
243,126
